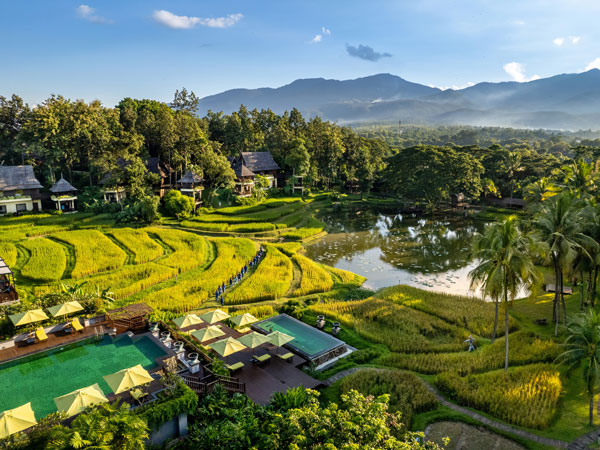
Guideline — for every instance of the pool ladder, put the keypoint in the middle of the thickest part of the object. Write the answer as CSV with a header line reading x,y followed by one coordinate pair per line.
x,y
97,334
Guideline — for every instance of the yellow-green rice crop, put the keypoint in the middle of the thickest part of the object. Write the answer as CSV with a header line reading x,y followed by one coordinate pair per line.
x,y
47,260
526,396
314,278
197,286
525,348
189,249
470,312
401,328
344,275
270,280
94,252
288,248
8,252
138,243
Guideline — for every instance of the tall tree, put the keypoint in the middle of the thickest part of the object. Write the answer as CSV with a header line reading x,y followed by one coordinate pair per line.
x,y
185,101
505,266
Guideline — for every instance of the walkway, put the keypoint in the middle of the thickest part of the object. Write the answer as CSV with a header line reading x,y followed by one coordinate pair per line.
x,y
575,445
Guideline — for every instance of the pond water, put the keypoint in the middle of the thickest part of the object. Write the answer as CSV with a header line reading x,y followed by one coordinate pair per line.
x,y
389,248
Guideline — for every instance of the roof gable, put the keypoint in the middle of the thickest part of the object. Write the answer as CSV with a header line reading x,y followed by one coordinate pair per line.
x,y
259,161
61,186
190,177
240,169
13,178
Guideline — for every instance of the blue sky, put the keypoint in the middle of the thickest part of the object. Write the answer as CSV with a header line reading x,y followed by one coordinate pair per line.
x,y
110,49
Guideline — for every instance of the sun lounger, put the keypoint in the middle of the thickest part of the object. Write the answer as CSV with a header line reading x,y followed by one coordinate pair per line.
x,y
261,359
139,395
40,334
287,357
235,367
76,324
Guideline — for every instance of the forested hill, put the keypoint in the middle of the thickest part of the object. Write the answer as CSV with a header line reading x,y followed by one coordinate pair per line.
x,y
567,101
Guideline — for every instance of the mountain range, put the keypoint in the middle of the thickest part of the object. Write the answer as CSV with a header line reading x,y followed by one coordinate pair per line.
x,y
561,102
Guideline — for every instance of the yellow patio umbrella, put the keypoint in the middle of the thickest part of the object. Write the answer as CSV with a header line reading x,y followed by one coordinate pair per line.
x,y
253,339
27,317
228,346
16,419
208,333
125,379
64,309
78,400
243,319
188,320
279,339
214,316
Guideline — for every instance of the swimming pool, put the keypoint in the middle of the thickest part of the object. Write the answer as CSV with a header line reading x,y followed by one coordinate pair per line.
x,y
42,377
312,344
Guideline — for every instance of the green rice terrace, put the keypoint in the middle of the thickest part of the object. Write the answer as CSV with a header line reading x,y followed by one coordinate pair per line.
x,y
407,340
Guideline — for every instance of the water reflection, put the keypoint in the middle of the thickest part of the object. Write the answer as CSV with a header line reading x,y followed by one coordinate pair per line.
x,y
389,248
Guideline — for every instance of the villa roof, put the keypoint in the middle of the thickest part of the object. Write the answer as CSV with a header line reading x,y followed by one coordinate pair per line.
x,y
14,178
190,177
240,168
259,161
61,186
155,165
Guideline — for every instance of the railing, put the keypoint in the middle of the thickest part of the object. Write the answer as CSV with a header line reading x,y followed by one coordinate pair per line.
x,y
207,384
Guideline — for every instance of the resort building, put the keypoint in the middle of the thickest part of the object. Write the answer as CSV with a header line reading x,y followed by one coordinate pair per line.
x,y
8,292
19,190
191,185
164,171
244,178
262,163
64,195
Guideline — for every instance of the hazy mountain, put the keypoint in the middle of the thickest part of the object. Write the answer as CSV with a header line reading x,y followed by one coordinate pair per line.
x,y
568,101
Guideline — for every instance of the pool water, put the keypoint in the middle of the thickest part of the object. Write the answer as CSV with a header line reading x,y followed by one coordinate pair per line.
x,y
40,378
308,340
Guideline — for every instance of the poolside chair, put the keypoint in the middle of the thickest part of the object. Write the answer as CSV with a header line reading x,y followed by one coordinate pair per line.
x,y
76,324
234,367
139,395
40,334
289,357
262,359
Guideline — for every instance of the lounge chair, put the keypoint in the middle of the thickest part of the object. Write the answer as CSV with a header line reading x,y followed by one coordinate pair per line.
x,y
40,334
234,367
262,359
139,395
289,357
76,324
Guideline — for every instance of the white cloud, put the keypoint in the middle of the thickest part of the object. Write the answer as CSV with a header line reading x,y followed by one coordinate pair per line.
x,y
517,72
575,39
326,31
318,38
519,22
88,13
171,20
595,64
558,41
454,87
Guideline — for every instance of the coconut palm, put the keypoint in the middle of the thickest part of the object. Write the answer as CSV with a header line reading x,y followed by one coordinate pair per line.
x,y
582,347
560,222
505,266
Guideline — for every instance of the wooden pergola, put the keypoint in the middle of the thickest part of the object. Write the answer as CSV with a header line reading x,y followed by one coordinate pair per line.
x,y
8,292
129,318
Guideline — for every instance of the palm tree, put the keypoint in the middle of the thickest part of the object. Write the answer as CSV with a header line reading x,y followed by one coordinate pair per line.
x,y
560,224
505,266
512,165
582,346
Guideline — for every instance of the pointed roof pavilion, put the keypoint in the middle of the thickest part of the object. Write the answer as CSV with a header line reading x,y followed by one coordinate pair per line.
x,y
62,186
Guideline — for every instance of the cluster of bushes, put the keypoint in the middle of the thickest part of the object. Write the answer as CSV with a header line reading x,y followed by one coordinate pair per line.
x,y
408,395
526,396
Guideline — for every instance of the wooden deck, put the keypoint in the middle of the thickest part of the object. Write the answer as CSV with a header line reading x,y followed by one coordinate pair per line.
x,y
55,340
262,381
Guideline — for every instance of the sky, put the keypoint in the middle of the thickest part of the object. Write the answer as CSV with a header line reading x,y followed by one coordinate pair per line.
x,y
111,49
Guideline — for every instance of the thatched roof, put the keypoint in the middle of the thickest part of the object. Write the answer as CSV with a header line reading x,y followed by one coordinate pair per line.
x,y
259,161
190,177
155,165
62,186
14,178
240,168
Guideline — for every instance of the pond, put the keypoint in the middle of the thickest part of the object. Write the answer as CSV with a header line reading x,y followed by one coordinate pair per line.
x,y
389,248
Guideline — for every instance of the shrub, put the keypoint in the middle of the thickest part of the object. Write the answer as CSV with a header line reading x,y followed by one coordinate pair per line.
x,y
270,280
314,278
408,394
138,243
94,252
47,260
177,204
364,356
525,396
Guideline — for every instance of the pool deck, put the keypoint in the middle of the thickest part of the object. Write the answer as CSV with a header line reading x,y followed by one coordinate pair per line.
x,y
55,340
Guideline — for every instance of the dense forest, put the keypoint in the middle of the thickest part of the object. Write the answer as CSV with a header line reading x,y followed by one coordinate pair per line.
x,y
86,141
